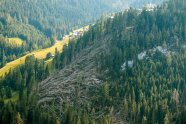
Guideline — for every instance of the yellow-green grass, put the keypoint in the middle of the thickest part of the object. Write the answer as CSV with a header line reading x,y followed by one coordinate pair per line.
x,y
13,99
49,61
14,41
39,54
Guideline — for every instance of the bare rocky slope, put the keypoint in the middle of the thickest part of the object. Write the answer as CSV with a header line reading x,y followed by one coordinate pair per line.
x,y
75,81
119,75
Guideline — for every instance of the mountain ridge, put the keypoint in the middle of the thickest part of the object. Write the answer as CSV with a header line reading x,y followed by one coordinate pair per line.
x,y
145,85
129,67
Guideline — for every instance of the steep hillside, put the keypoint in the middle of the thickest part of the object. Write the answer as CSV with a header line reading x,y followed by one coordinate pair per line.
x,y
39,22
39,54
126,69
56,17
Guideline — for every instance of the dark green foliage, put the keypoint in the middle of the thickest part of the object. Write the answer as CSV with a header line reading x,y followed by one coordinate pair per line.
x,y
9,52
38,22
57,17
48,56
23,81
153,90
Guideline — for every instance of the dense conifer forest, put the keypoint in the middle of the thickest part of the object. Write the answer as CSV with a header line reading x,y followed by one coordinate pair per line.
x,y
140,66
40,22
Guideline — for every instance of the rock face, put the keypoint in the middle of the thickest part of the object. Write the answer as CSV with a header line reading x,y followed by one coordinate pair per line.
x,y
74,81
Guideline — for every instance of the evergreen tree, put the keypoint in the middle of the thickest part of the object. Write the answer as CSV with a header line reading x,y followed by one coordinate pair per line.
x,y
18,119
166,119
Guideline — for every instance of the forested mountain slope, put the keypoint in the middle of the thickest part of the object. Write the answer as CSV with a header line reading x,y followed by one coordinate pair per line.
x,y
129,69
39,22
55,17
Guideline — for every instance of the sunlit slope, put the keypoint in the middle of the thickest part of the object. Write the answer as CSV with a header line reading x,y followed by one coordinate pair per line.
x,y
40,54
15,42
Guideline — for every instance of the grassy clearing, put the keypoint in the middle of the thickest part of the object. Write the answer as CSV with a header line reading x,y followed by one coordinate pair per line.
x,y
14,41
14,98
39,54
11,65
